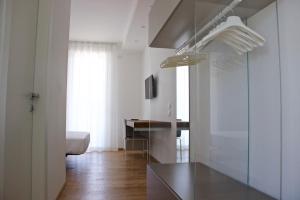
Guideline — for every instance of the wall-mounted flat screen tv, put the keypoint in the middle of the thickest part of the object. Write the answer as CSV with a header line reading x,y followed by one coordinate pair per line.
x,y
150,88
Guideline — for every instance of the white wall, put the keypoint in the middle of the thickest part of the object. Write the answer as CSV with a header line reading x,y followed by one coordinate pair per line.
x,y
130,88
264,97
288,11
56,97
163,143
146,72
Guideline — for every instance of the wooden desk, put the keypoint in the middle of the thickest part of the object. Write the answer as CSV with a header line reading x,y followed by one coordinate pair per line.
x,y
139,130
147,125
183,125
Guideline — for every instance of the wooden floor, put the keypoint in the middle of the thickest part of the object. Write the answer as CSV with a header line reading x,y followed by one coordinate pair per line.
x,y
108,175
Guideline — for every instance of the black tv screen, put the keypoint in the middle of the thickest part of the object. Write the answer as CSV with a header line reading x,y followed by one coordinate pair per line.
x,y
150,88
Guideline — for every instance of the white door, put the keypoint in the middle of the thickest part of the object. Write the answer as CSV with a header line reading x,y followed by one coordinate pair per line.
x,y
20,80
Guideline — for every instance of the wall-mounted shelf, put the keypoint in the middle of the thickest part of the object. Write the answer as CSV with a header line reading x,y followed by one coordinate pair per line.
x,y
189,16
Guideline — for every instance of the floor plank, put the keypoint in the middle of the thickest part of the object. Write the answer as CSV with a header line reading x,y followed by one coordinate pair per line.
x,y
107,175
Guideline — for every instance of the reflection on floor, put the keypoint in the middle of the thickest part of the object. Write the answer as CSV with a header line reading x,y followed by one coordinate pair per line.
x,y
183,156
107,175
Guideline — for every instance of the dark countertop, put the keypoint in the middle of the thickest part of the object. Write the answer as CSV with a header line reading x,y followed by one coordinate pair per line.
x,y
195,181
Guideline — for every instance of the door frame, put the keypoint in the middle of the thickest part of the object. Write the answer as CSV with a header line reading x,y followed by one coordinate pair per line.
x,y
42,184
5,23
39,136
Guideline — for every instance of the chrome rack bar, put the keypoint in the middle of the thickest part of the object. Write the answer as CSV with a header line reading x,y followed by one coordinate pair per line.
x,y
211,23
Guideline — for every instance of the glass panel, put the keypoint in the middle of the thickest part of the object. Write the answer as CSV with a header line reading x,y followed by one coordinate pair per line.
x,y
162,110
234,110
264,101
235,107
219,112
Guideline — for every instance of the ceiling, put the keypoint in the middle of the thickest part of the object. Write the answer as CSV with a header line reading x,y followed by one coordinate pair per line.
x,y
111,21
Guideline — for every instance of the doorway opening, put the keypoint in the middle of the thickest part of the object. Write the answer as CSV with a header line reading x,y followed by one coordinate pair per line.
x,y
182,114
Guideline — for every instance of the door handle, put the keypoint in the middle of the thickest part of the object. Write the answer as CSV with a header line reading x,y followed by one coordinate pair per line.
x,y
34,96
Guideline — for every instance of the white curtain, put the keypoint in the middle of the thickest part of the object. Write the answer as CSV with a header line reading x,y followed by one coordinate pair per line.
x,y
92,93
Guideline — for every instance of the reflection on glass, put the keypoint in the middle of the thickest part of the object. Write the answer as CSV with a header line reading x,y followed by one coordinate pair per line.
x,y
219,112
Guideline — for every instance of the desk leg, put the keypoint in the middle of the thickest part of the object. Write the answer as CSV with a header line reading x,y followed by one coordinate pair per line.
x,y
148,147
132,145
143,148
126,133
125,149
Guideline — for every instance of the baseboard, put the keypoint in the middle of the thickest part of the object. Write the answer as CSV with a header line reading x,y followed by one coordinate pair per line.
x,y
153,159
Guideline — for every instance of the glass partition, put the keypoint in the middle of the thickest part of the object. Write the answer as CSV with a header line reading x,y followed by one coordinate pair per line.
x,y
162,107
235,105
232,128
219,102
